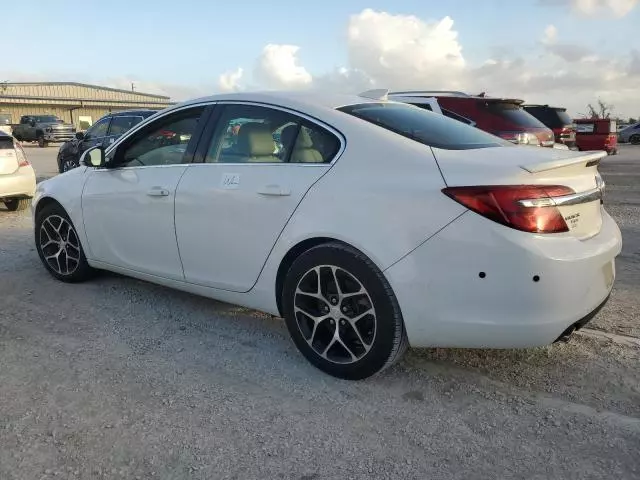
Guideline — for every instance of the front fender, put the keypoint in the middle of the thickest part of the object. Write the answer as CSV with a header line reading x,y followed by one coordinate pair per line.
x,y
66,190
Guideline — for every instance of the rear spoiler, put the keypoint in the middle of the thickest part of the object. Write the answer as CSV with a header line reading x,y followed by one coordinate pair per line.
x,y
589,159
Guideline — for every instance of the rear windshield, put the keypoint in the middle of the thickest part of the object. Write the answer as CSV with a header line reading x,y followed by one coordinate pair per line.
x,y
513,113
426,127
5,141
551,117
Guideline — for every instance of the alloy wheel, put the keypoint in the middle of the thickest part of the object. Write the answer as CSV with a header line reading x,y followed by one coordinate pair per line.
x,y
335,314
68,164
59,245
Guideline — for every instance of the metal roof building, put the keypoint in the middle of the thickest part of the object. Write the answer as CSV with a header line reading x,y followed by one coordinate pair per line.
x,y
76,103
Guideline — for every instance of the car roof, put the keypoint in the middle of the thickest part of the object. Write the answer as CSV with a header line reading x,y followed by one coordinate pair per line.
x,y
296,99
132,112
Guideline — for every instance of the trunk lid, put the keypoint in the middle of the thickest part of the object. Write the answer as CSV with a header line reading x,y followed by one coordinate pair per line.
x,y
526,165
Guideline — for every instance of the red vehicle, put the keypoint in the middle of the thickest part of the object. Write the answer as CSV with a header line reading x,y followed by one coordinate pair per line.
x,y
597,134
558,120
503,117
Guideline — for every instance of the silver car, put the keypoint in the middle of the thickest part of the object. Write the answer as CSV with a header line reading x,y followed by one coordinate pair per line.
x,y
630,134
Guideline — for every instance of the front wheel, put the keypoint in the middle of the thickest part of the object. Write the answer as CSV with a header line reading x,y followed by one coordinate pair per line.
x,y
15,204
59,246
341,312
42,143
68,163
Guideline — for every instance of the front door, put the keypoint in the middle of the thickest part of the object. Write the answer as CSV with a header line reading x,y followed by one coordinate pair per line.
x,y
231,207
128,209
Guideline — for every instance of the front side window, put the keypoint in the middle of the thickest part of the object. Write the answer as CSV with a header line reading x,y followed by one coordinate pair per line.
x,y
428,128
164,142
122,124
98,130
255,134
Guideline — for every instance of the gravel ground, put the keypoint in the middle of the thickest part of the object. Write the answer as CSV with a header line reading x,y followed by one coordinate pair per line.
x,y
121,379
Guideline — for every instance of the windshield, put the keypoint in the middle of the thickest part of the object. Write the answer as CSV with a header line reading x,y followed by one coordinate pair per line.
x,y
426,127
513,113
47,119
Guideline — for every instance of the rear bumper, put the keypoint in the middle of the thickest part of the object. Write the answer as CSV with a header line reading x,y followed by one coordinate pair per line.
x,y
19,184
533,287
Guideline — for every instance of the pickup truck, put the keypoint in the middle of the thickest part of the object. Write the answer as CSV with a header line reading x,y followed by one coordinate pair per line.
x,y
43,129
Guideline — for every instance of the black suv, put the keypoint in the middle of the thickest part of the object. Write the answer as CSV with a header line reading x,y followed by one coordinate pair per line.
x,y
104,132
557,119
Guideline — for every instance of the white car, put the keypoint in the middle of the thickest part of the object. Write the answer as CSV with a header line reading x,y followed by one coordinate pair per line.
x,y
379,224
17,178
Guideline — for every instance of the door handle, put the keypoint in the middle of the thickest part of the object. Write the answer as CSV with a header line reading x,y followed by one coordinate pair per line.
x,y
274,190
158,192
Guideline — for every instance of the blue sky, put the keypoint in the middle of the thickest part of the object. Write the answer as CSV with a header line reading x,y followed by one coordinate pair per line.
x,y
190,43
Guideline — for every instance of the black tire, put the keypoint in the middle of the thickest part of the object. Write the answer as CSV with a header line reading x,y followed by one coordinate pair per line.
x,y
389,341
634,140
42,143
83,270
67,164
15,204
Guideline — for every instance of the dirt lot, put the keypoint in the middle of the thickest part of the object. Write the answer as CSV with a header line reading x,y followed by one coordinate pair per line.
x,y
121,379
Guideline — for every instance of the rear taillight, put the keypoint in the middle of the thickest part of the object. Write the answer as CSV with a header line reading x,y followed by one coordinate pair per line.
x,y
21,156
529,208
520,138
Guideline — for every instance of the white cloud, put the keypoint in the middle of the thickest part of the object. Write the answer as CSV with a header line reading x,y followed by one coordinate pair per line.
x,y
618,8
550,35
277,67
228,81
403,50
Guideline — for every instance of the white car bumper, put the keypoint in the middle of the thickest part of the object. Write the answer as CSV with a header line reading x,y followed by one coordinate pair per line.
x,y
21,183
531,289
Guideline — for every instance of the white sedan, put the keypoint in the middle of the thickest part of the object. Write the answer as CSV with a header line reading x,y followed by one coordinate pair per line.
x,y
17,177
375,226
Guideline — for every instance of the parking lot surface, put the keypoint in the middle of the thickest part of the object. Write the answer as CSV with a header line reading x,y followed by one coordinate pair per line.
x,y
118,378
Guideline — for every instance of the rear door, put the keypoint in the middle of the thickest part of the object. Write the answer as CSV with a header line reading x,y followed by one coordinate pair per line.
x,y
232,205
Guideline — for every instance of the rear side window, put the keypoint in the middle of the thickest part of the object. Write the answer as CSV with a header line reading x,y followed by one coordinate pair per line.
x,y
428,128
513,113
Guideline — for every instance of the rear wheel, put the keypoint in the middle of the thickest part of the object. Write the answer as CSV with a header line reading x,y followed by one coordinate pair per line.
x,y
635,139
342,313
15,204
59,247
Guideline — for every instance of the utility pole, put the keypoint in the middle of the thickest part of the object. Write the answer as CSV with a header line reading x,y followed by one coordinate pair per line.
x,y
133,87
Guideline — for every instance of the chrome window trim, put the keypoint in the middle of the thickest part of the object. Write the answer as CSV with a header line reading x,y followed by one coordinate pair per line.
x,y
334,131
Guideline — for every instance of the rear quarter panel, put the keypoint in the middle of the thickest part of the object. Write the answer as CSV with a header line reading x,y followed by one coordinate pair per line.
x,y
382,196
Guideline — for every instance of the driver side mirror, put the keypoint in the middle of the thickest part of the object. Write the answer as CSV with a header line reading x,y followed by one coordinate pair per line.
x,y
79,135
32,123
94,157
